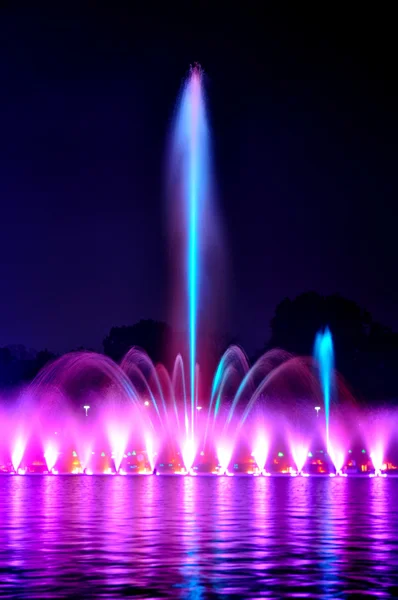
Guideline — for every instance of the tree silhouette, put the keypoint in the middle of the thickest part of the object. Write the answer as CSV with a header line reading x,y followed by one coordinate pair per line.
x,y
152,336
366,352
18,364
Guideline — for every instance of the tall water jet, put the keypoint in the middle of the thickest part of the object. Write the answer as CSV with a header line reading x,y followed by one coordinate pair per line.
x,y
193,142
324,354
190,163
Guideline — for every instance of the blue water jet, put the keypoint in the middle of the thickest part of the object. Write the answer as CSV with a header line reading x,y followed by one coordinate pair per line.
x,y
192,145
324,354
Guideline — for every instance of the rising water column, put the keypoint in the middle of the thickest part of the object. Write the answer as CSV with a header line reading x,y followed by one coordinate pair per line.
x,y
324,354
190,158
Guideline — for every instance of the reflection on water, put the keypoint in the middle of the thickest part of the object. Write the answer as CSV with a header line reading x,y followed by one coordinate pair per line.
x,y
198,537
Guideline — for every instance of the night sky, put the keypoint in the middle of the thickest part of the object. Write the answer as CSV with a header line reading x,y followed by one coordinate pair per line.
x,y
303,114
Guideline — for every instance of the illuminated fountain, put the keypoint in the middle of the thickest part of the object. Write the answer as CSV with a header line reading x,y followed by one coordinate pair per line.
x,y
84,414
261,452
137,421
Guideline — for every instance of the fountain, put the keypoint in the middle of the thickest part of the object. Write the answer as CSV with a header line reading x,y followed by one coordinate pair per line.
x,y
325,356
85,414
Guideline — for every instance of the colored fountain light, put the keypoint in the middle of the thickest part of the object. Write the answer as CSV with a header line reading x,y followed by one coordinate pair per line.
x,y
224,455
50,455
194,175
337,458
300,453
376,457
17,453
150,451
260,452
85,454
325,356
188,454
118,439
191,141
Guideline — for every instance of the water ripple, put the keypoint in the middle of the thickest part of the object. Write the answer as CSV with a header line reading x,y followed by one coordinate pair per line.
x,y
203,537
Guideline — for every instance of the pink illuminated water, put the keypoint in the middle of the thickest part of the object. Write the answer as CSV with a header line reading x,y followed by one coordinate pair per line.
x,y
50,455
138,422
188,454
224,454
300,454
18,452
261,450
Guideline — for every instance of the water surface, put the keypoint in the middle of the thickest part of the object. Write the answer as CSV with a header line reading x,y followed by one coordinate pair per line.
x,y
203,537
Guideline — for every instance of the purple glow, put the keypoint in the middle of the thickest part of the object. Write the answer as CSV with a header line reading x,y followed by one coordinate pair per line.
x,y
120,432
17,453
118,439
140,440
260,452
300,454
150,451
50,455
190,166
188,454
377,459
224,455
337,458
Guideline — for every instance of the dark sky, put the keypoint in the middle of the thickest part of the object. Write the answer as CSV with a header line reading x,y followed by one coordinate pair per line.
x,y
303,113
